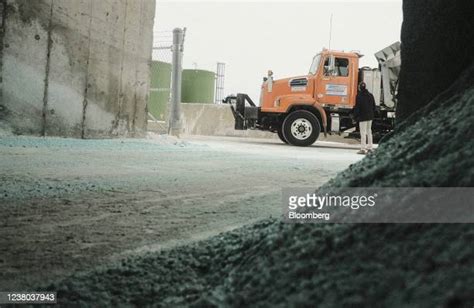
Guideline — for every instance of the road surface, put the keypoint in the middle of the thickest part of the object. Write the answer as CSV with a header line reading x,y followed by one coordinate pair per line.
x,y
71,204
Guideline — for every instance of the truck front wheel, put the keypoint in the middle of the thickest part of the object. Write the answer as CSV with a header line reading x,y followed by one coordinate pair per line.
x,y
301,128
280,135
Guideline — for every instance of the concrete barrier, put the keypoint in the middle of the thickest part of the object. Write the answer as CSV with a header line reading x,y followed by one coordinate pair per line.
x,y
207,120
214,120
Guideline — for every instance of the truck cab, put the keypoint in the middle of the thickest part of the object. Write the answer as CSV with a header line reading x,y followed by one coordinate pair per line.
x,y
331,81
299,108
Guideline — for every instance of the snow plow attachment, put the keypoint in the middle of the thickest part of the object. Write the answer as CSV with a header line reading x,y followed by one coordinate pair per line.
x,y
245,116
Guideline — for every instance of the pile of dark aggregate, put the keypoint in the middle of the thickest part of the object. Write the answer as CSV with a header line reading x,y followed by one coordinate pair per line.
x,y
359,265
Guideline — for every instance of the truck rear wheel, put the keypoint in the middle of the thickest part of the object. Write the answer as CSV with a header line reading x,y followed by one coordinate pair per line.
x,y
301,128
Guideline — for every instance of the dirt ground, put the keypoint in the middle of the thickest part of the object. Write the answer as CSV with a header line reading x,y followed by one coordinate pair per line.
x,y
70,205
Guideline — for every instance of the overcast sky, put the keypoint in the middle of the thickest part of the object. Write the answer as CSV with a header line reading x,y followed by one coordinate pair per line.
x,y
254,36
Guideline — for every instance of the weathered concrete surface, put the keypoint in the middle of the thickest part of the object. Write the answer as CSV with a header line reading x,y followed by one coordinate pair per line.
x,y
213,120
76,68
207,120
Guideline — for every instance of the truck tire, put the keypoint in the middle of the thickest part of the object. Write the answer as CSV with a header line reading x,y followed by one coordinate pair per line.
x,y
301,128
280,135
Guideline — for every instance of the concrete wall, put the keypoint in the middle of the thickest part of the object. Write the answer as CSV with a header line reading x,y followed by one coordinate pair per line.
x,y
78,68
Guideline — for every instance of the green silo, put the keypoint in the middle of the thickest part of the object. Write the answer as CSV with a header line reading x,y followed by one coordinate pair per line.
x,y
160,89
198,86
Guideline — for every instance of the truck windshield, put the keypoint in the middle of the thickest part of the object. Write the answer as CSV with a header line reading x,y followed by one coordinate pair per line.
x,y
315,64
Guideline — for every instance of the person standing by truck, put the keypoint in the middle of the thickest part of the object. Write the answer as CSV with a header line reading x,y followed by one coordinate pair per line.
x,y
364,112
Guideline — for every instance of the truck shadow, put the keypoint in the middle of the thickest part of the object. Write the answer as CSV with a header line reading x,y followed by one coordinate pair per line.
x,y
278,143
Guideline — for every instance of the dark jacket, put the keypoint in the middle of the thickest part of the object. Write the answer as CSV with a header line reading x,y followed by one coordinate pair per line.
x,y
364,109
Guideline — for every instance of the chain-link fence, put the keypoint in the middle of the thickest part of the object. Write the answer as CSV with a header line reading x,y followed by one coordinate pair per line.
x,y
161,70
165,97
220,78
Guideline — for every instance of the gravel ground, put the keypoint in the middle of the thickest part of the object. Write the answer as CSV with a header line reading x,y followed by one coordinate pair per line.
x,y
273,264
68,205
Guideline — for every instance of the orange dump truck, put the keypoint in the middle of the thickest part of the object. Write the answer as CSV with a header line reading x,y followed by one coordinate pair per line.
x,y
299,108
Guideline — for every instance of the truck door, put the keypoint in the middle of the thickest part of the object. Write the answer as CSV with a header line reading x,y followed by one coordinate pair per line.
x,y
335,81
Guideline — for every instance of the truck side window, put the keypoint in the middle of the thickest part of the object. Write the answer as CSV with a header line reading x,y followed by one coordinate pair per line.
x,y
341,67
326,67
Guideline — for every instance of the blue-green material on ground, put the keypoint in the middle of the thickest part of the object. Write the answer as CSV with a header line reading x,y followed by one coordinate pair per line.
x,y
288,265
